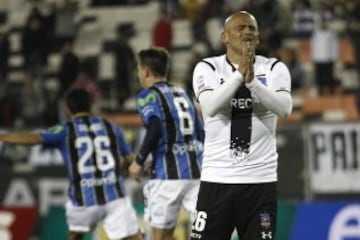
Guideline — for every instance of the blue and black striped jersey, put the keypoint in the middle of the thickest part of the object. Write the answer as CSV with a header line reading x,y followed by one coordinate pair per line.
x,y
178,154
91,148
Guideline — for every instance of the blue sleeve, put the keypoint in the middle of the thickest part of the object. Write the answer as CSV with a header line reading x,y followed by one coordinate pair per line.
x,y
54,136
151,139
148,105
123,145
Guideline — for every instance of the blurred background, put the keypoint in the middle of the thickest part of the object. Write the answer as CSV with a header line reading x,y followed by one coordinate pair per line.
x,y
49,46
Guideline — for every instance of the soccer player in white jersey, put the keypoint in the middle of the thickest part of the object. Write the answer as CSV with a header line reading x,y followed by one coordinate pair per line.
x,y
241,95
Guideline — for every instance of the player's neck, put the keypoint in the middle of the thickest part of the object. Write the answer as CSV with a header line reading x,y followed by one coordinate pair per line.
x,y
157,80
80,114
236,58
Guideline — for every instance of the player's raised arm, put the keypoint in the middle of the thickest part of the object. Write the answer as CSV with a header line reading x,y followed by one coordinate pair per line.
x,y
22,138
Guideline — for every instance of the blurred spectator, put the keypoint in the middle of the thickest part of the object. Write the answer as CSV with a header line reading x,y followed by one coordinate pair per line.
x,y
325,11
214,9
65,25
354,31
324,52
35,13
32,104
172,8
303,17
162,31
290,58
192,10
125,63
4,55
8,107
51,112
199,51
46,17
35,47
69,67
271,42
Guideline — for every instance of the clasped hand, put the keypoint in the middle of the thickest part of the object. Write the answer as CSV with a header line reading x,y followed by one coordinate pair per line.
x,y
246,64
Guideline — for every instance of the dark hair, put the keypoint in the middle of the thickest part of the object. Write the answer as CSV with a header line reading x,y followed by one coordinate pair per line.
x,y
157,59
78,100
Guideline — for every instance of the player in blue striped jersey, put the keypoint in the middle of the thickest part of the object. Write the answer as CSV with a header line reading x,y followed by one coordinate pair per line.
x,y
93,150
174,136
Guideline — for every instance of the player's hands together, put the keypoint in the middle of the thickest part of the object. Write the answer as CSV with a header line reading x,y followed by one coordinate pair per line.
x,y
135,170
246,66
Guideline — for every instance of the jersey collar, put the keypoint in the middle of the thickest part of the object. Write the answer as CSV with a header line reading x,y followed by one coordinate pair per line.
x,y
234,66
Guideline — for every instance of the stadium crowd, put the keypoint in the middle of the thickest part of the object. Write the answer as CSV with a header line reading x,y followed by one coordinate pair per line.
x,y
299,32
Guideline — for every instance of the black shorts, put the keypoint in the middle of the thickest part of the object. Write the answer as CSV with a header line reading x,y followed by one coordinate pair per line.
x,y
248,208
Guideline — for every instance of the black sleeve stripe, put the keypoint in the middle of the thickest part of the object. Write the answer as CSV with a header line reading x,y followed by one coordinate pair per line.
x,y
209,89
74,158
283,90
212,66
115,151
273,65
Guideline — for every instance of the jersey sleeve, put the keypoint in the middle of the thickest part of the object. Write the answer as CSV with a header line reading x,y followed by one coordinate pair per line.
x,y
123,145
148,105
280,78
204,78
54,136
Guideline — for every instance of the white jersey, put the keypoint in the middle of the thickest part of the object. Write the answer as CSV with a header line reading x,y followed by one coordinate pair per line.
x,y
253,156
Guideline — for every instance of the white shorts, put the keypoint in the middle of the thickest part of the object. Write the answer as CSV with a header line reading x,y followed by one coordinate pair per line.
x,y
119,218
164,199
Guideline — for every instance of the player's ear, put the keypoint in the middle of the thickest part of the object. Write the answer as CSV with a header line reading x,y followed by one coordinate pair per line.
x,y
224,38
147,71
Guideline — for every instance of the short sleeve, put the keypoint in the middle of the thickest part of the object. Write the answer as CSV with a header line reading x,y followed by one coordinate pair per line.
x,y
204,78
148,105
54,136
280,77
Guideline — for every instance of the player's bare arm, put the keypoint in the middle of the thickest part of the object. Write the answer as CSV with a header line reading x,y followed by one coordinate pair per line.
x,y
25,139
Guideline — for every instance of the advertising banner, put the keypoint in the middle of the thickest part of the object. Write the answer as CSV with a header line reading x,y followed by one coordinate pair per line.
x,y
290,145
327,221
17,222
334,157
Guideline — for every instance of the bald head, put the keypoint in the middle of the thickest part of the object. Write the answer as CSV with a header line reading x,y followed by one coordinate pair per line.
x,y
240,31
236,15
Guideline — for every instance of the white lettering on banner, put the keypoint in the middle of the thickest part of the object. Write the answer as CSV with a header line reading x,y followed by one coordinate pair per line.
x,y
334,153
39,156
6,220
19,194
341,229
52,191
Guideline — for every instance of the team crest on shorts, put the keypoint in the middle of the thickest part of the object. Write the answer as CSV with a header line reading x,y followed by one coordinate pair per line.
x,y
265,220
